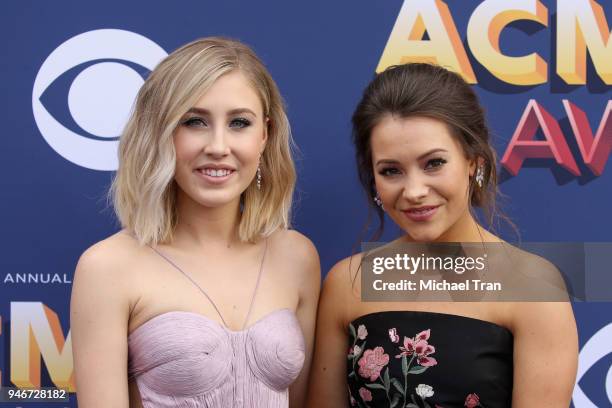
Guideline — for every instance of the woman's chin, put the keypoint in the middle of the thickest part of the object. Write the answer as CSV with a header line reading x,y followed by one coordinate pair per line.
x,y
423,233
215,200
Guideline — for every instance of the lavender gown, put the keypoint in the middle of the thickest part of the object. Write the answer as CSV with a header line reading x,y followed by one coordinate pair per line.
x,y
185,359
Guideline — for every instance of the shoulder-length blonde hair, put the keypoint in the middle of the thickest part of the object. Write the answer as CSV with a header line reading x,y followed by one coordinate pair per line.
x,y
144,191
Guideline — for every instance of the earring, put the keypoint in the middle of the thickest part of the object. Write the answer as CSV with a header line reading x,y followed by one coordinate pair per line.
x,y
259,173
378,201
480,176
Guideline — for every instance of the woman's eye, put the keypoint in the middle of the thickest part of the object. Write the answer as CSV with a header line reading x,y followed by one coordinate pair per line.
x,y
389,171
434,163
194,122
240,123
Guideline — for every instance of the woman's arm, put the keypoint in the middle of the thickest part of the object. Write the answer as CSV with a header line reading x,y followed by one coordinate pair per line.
x,y
328,385
305,259
99,312
545,354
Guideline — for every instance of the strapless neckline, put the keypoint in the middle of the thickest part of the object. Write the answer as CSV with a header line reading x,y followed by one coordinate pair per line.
x,y
207,319
441,314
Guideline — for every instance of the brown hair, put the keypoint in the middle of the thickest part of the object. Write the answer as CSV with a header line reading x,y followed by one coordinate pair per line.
x,y
420,89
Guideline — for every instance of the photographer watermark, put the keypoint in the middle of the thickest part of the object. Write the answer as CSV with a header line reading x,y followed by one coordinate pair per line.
x,y
499,271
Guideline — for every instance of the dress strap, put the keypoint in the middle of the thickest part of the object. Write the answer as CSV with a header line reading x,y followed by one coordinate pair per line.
x,y
263,258
171,262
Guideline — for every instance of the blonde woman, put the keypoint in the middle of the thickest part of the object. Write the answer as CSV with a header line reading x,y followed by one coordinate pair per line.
x,y
205,298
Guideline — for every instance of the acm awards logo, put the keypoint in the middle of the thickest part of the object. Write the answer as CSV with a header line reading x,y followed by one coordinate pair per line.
x,y
100,96
581,26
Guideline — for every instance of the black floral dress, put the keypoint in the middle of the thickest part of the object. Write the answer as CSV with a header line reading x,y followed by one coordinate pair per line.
x,y
406,359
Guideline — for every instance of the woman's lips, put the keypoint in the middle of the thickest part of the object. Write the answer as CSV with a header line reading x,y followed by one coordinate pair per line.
x,y
215,177
421,214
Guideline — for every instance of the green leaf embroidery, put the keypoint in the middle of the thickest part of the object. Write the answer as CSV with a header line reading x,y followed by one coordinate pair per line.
x,y
404,365
397,385
362,347
417,370
352,329
395,400
375,386
386,379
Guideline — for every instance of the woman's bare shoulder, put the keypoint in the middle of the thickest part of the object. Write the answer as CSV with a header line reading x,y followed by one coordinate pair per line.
x,y
109,258
535,268
298,251
294,243
104,280
114,246
343,277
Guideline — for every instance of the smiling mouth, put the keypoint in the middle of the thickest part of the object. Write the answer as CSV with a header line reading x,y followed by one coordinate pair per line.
x,y
422,213
215,172
422,210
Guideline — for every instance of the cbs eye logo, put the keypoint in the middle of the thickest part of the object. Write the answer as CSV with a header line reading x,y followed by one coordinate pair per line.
x,y
104,66
594,353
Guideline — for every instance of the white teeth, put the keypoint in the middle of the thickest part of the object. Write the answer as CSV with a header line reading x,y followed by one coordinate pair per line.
x,y
216,173
422,211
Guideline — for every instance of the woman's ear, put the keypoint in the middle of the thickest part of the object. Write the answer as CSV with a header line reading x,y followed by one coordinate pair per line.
x,y
264,140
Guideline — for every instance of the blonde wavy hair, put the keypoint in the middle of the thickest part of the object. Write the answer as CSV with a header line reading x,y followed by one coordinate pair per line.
x,y
143,190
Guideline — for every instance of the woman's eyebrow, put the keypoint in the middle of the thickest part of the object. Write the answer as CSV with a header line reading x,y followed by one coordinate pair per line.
x,y
436,150
386,161
202,111
432,151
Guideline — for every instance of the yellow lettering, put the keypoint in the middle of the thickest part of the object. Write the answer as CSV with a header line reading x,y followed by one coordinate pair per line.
x,y
484,30
444,46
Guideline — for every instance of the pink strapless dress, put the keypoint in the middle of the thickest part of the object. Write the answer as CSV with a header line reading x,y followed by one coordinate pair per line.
x,y
185,359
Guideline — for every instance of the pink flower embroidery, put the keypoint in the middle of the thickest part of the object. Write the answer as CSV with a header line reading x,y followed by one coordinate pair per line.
x,y
424,335
472,401
420,347
372,362
361,332
393,335
365,394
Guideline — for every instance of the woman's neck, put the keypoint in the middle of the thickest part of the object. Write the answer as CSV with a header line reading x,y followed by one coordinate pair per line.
x,y
202,226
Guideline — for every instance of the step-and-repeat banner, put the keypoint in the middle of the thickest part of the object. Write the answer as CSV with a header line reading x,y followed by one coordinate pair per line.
x,y
70,70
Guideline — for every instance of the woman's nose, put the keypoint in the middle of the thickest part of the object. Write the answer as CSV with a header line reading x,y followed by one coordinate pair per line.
x,y
217,145
415,188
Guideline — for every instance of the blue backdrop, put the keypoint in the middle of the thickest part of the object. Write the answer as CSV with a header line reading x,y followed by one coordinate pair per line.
x,y
322,54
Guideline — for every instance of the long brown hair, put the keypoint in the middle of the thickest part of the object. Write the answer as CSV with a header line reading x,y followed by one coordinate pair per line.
x,y
420,89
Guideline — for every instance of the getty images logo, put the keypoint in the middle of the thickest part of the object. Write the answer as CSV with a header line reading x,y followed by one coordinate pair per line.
x,y
100,96
598,346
